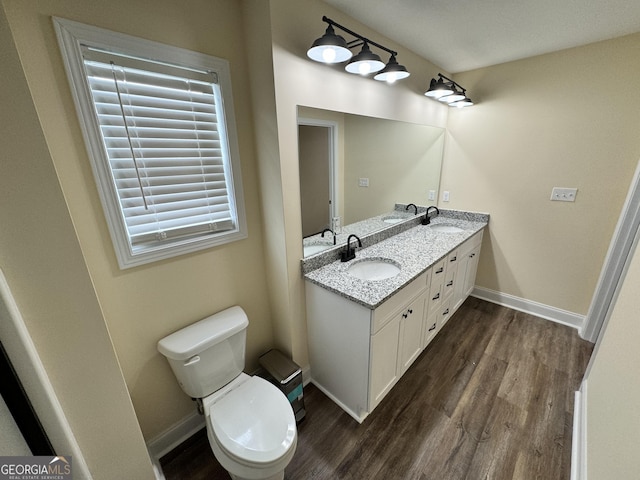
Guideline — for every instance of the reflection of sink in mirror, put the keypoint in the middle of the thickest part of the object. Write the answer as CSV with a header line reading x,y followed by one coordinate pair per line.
x,y
312,249
330,141
445,228
393,219
374,269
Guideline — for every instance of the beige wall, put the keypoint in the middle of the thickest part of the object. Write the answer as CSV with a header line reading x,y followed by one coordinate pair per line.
x,y
613,390
567,119
143,304
401,160
44,267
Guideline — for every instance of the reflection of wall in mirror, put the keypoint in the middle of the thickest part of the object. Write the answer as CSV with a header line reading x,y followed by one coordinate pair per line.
x,y
313,144
401,161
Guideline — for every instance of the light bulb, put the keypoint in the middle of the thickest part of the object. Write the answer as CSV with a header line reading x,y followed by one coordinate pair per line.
x,y
364,68
329,55
392,77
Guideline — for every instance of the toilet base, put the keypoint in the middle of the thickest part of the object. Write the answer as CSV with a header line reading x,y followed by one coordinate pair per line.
x,y
277,476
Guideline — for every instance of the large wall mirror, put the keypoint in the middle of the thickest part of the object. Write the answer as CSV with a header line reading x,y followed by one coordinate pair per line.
x,y
356,167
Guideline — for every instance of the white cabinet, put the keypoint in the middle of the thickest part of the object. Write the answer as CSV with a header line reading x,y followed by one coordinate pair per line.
x,y
384,361
394,348
410,345
357,354
469,254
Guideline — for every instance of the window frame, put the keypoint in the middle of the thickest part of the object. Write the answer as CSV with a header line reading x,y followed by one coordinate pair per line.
x,y
72,36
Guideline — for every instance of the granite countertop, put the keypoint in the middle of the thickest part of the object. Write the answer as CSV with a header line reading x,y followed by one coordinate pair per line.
x,y
414,250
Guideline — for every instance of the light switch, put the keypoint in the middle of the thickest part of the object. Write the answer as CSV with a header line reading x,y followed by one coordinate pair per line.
x,y
561,194
432,195
363,182
445,196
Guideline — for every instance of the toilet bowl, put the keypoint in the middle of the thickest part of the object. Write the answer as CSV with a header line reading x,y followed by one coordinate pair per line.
x,y
250,423
251,429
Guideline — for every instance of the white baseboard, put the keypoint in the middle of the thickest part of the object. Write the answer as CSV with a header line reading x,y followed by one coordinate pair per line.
x,y
547,312
175,435
579,436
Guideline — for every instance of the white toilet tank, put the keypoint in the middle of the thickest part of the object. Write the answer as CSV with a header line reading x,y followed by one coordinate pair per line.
x,y
208,354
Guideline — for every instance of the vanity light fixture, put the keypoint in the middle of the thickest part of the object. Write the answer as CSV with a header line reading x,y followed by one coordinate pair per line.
x,y
447,91
332,48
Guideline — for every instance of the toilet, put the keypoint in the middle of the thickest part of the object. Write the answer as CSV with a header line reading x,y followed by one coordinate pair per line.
x,y
250,423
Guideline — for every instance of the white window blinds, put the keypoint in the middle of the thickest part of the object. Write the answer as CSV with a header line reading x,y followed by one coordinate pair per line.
x,y
164,135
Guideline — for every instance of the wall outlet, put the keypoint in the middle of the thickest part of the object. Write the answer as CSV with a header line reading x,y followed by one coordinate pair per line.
x,y
561,194
432,195
363,182
445,196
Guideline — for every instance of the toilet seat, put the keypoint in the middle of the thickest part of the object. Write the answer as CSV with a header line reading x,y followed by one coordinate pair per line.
x,y
253,423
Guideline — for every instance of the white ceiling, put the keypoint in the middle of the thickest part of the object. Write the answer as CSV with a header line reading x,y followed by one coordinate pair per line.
x,y
461,35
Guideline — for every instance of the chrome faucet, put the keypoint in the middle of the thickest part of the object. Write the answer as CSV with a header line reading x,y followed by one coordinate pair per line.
x,y
427,220
332,232
349,253
412,205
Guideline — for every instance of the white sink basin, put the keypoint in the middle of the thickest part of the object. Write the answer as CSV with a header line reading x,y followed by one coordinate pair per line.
x,y
311,249
374,269
392,219
445,228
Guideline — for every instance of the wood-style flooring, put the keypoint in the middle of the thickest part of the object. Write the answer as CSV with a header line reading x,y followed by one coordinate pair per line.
x,y
490,398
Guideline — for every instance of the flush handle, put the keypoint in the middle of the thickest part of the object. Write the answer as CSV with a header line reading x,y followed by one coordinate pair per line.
x,y
192,360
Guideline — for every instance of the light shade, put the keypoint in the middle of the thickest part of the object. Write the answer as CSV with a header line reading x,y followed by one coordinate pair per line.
x,y
392,71
365,62
438,89
330,48
456,96
465,102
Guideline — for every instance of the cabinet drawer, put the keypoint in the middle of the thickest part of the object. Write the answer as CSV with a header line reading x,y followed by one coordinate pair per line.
x,y
382,314
452,260
434,299
429,328
438,272
444,313
449,282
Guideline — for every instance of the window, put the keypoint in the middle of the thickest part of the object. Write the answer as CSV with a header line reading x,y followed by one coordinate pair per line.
x,y
158,123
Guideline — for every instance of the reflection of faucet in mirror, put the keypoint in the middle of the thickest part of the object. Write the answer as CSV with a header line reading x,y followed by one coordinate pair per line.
x,y
414,207
350,253
339,151
427,220
332,232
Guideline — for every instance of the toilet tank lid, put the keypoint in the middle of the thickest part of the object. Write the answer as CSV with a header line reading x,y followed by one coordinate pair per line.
x,y
196,338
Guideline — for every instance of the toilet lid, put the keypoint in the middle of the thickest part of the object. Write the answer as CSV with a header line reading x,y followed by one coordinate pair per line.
x,y
254,422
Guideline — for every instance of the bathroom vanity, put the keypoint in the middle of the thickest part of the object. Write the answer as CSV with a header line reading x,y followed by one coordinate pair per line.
x,y
365,330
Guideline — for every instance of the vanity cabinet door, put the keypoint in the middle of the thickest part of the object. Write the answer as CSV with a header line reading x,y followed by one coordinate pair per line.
x,y
471,270
467,268
411,321
383,372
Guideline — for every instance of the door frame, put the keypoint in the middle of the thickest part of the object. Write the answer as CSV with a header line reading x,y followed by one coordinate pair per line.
x,y
333,158
616,263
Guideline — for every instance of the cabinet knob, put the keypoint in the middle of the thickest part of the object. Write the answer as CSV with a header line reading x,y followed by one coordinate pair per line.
x,y
453,259
433,327
404,315
440,270
450,283
436,297
446,312
410,311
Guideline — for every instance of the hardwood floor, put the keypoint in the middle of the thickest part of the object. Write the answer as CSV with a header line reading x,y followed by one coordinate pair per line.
x,y
491,398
